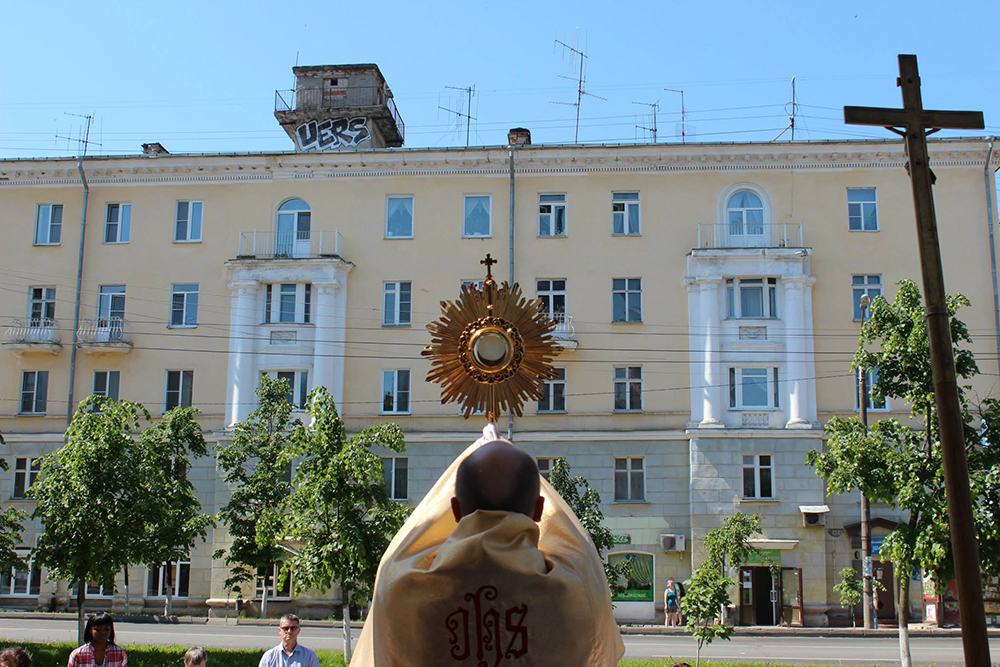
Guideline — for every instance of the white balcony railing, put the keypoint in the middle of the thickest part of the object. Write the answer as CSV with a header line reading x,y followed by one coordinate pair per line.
x,y
254,244
33,331
104,332
755,419
750,235
564,334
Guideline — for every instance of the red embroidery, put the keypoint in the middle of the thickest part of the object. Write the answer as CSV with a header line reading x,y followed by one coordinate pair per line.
x,y
489,638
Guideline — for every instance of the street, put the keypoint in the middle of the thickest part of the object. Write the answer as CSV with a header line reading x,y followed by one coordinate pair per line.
x,y
816,650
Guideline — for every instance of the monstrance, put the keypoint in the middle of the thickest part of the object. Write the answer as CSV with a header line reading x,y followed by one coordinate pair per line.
x,y
492,349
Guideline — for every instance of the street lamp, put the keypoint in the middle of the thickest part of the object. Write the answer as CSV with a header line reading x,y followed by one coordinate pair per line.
x,y
870,615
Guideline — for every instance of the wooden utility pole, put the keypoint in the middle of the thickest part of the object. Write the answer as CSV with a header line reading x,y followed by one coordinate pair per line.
x,y
916,124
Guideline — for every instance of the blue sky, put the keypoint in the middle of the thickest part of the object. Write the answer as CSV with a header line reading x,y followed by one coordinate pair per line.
x,y
201,76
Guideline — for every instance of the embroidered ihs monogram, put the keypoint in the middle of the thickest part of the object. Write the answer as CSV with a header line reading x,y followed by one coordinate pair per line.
x,y
479,630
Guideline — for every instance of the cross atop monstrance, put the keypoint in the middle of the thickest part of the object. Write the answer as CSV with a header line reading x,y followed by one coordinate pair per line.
x,y
916,123
489,262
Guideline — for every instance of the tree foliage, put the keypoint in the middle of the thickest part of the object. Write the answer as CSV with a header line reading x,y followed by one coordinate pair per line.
x,y
11,525
851,591
586,504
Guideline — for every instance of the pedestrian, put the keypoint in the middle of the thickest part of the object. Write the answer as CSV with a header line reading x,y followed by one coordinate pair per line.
x,y
671,604
15,656
100,649
289,653
195,657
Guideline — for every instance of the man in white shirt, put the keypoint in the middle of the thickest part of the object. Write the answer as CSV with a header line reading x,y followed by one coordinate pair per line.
x,y
289,653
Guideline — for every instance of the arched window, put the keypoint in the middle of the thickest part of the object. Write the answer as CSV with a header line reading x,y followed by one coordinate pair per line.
x,y
745,212
293,228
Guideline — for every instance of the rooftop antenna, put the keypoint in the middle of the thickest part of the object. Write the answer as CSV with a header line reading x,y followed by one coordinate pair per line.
x,y
683,114
581,81
654,106
83,142
470,91
791,117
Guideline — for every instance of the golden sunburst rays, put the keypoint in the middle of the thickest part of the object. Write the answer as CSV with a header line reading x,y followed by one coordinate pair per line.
x,y
491,350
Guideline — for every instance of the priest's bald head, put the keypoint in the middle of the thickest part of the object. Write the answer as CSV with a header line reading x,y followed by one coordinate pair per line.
x,y
497,477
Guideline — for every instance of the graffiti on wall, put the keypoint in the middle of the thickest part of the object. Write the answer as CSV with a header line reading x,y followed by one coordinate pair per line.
x,y
328,135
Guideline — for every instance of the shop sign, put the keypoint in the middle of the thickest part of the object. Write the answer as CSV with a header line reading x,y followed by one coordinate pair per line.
x,y
622,539
765,557
638,579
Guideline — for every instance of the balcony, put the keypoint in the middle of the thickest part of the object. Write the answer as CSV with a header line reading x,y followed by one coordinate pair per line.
x,y
303,244
104,334
564,334
33,335
750,235
374,98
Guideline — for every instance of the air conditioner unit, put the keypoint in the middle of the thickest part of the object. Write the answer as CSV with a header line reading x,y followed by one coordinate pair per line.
x,y
810,519
672,543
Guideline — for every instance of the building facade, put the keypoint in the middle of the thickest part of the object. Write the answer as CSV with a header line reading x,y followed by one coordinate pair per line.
x,y
706,300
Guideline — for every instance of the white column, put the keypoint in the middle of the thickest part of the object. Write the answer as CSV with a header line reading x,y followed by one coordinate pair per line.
x,y
795,348
328,349
711,376
694,358
243,320
810,360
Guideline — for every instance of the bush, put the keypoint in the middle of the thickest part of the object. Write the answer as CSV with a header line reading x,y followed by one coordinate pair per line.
x,y
56,655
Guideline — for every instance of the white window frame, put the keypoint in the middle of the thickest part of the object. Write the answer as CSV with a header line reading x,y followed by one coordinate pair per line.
x,y
858,289
551,294
465,217
395,315
186,306
106,392
630,294
185,385
107,313
478,284
622,203
630,470
301,308
48,219
623,375
192,221
388,206
123,226
7,589
772,379
545,464
27,468
161,591
549,387
273,594
299,382
390,476
871,376
550,206
863,206
755,463
768,295
44,297
392,394
36,402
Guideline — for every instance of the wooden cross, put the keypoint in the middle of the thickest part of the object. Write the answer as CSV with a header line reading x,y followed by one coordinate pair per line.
x,y
916,123
489,262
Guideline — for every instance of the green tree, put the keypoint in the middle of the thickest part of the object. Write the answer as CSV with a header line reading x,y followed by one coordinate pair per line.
x,y
255,464
586,504
901,465
340,516
11,525
851,592
173,516
89,498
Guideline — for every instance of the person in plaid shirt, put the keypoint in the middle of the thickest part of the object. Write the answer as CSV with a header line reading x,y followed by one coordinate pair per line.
x,y
100,649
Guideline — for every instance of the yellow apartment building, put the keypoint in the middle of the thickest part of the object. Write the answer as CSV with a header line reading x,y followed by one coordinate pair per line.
x,y
706,299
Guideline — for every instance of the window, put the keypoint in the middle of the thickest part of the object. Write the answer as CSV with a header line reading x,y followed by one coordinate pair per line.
x,y
874,403
396,304
555,393
97,590
626,300
111,307
298,386
294,229
628,388
753,388
180,384
187,222
625,214
307,304
630,480
25,473
478,222
745,211
394,477
474,284
396,392
752,297
757,480
22,582
42,307
553,296
552,215
861,285
118,223
48,224
545,465
286,306
106,383
177,577
269,577
399,218
862,210
184,306
34,391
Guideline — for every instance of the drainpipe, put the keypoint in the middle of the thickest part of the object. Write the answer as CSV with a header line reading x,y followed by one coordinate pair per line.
x,y
79,285
510,152
990,223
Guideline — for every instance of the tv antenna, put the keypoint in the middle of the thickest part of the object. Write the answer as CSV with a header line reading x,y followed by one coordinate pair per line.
x,y
653,106
581,82
791,116
470,91
683,114
82,141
